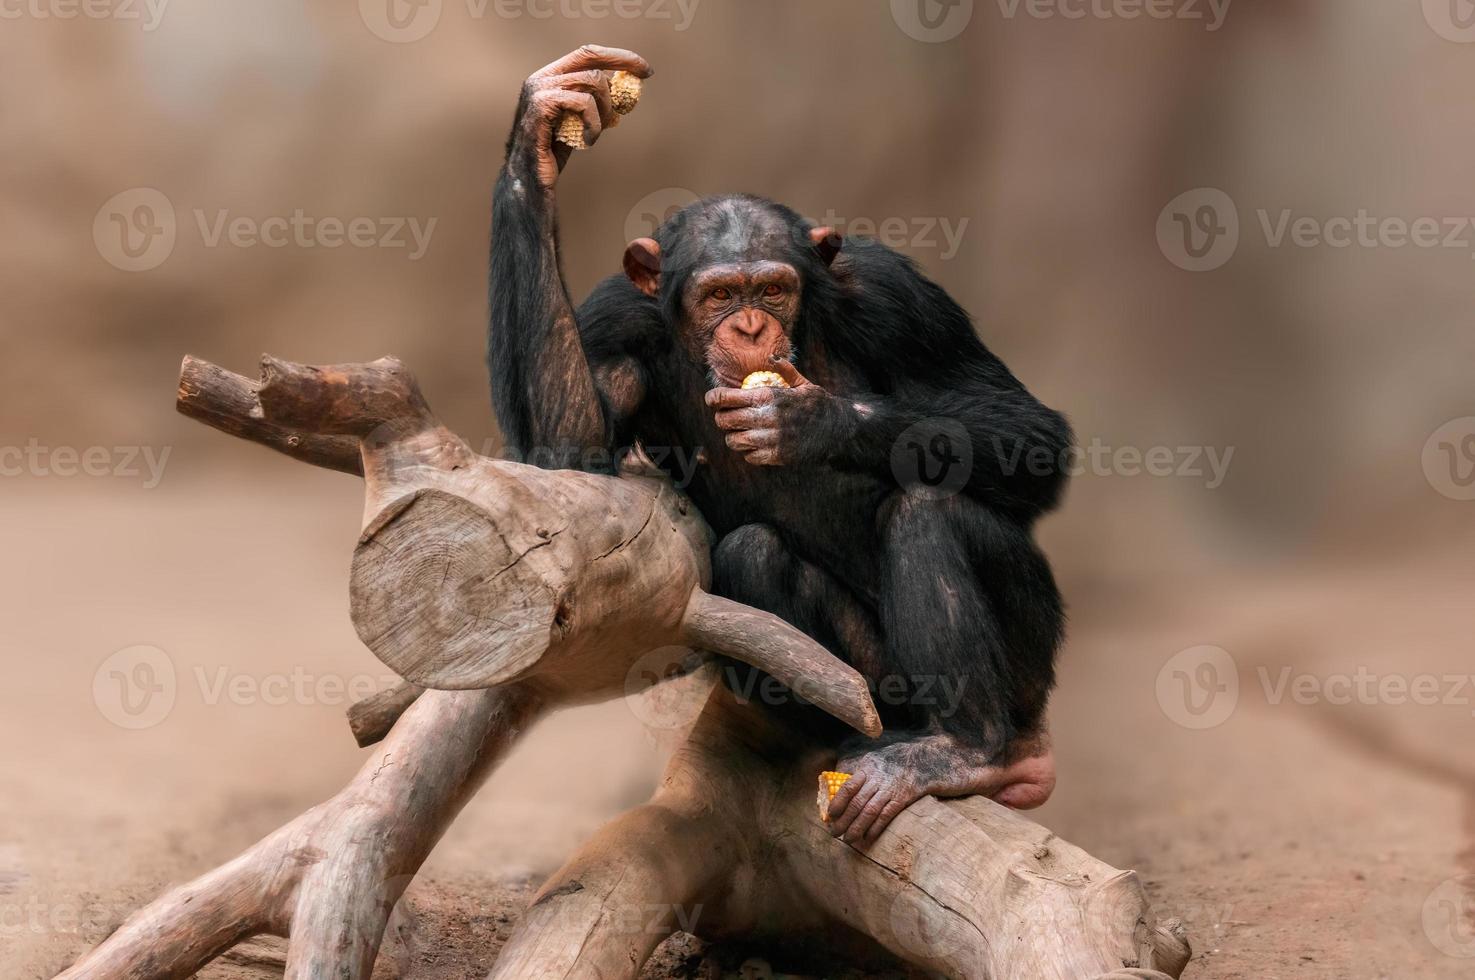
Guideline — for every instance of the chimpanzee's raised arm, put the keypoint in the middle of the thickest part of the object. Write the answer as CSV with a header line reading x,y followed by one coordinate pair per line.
x,y
544,392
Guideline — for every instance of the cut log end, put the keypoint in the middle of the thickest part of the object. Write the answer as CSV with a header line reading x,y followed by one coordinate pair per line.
x,y
439,595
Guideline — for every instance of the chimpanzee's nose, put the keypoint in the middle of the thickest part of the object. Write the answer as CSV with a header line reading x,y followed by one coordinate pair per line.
x,y
750,322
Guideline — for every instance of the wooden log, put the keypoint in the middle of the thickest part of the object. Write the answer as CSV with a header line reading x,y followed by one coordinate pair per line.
x,y
964,888
228,402
330,878
372,718
552,586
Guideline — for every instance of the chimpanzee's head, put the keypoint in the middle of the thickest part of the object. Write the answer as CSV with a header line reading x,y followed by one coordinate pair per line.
x,y
734,276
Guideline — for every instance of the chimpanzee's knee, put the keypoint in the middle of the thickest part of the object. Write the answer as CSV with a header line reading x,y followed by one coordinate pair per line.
x,y
748,562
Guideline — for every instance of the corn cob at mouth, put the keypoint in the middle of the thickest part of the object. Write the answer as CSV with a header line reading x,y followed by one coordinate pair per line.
x,y
764,379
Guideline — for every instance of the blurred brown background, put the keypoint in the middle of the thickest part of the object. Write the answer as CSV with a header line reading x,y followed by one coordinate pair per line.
x,y
1308,396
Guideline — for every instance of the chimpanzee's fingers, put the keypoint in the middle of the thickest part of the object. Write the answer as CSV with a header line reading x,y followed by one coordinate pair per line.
x,y
734,419
553,103
595,83
739,397
845,794
883,820
597,56
765,457
857,805
750,440
790,374
868,815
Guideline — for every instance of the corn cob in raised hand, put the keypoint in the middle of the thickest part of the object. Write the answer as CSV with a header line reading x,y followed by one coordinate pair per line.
x,y
624,94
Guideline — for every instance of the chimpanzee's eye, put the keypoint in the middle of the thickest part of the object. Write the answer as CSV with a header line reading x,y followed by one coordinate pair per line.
x,y
772,290
721,294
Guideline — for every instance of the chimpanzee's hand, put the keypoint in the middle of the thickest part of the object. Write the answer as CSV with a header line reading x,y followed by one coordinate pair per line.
x,y
795,426
579,83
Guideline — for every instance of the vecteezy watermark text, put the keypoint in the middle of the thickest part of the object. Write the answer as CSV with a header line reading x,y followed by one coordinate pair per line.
x,y
137,687
137,229
1212,12
937,234
148,13
1200,230
1201,687
122,462
407,21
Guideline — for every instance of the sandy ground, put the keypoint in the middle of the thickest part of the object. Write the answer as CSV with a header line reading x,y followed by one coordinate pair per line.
x,y
1296,840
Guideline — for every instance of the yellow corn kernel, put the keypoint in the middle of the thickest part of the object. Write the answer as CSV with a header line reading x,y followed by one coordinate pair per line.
x,y
764,379
829,785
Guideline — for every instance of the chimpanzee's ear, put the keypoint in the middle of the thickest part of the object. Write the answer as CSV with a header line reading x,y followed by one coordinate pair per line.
x,y
643,265
828,241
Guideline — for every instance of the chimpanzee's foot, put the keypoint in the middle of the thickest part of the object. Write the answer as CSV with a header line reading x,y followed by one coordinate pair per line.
x,y
883,782
1027,783
887,780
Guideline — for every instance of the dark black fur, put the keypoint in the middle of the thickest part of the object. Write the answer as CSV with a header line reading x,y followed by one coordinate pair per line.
x,y
895,583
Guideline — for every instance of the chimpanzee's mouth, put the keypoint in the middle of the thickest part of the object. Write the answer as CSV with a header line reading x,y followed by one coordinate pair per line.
x,y
727,370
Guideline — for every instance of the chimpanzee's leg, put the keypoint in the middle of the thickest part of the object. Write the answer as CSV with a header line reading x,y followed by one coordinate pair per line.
x,y
971,620
754,565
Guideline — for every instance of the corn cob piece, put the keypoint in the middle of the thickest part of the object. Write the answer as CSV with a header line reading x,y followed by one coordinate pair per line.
x,y
829,785
624,94
764,379
624,91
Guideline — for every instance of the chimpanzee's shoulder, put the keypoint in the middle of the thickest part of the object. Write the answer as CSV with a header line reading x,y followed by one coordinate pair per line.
x,y
617,318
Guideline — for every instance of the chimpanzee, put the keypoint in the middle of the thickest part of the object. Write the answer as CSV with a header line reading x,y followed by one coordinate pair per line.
x,y
933,588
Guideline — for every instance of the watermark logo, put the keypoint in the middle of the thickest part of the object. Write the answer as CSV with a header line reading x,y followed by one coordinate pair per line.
x,y
1213,13
400,21
1449,459
135,687
1364,687
942,235
1453,20
665,706
124,462
1449,917
407,21
655,209
933,458
680,12
1198,231
148,13
1198,688
135,230
932,21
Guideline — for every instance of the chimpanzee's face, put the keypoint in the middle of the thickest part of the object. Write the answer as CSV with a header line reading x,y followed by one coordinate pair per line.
x,y
736,311
739,318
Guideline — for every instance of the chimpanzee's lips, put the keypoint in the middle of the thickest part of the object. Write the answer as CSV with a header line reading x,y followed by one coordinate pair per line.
x,y
729,367
732,373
